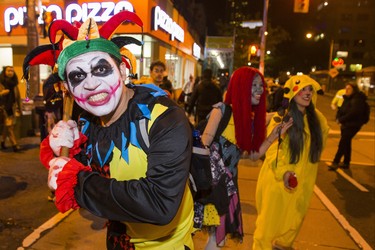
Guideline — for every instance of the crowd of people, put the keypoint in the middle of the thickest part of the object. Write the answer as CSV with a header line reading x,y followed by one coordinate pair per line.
x,y
100,160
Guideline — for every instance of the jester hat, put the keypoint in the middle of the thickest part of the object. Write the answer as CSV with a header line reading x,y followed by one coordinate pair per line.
x,y
82,38
249,120
295,84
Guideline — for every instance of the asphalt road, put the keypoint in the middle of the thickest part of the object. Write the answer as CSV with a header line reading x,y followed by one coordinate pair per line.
x,y
351,191
23,194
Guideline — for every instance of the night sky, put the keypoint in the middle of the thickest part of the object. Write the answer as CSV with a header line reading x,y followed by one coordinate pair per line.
x,y
298,53
280,12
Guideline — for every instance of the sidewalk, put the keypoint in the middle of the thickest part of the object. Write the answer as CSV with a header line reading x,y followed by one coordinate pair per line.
x,y
320,231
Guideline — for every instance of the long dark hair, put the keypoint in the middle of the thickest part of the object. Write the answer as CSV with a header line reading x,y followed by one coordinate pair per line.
x,y
5,80
297,136
9,83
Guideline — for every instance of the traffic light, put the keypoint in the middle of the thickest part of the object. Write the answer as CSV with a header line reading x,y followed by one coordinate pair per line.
x,y
301,6
336,62
252,51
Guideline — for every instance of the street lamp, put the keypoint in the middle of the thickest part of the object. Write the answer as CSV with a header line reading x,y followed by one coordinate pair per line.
x,y
308,35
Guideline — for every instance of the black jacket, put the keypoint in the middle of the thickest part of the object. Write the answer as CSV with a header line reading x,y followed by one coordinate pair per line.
x,y
204,96
352,111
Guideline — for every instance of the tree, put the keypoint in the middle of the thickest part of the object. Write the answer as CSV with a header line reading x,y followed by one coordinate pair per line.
x,y
245,37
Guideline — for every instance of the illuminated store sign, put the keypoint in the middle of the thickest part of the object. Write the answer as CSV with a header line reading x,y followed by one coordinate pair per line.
x,y
196,50
161,20
101,12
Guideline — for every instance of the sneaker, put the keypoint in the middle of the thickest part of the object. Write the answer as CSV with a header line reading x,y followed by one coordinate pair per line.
x,y
333,166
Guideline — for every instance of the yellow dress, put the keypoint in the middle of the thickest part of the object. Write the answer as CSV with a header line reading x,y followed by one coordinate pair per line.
x,y
280,211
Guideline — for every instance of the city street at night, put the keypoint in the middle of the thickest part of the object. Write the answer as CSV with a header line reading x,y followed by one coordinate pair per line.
x,y
137,95
341,214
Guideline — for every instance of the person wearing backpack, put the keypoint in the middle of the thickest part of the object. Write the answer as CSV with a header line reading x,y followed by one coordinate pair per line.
x,y
145,196
241,133
353,114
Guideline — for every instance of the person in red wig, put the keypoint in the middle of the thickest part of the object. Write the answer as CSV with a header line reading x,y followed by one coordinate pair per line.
x,y
244,134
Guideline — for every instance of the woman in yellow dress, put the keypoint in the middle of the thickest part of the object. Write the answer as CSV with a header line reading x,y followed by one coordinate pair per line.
x,y
289,171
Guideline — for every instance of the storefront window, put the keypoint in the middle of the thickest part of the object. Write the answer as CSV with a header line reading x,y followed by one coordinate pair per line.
x,y
6,57
173,63
188,70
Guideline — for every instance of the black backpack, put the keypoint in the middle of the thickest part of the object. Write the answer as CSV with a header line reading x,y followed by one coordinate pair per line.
x,y
366,113
200,169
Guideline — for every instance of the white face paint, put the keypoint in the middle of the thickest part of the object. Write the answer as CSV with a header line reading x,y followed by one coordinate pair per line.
x,y
95,81
256,90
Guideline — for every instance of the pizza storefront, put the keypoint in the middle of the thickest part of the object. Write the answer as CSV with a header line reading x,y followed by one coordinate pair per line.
x,y
165,34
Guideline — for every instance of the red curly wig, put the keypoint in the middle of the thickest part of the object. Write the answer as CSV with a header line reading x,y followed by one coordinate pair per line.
x,y
249,120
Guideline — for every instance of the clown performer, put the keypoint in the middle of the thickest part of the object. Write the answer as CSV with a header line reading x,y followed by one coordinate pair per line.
x,y
288,174
245,134
145,197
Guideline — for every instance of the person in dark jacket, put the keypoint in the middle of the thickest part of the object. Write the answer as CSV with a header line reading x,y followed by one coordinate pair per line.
x,y
10,103
204,96
350,117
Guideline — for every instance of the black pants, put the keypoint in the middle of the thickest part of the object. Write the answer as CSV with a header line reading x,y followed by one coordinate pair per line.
x,y
345,144
117,239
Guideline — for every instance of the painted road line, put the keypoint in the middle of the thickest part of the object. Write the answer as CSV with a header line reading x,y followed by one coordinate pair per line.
x,y
366,164
341,219
350,179
34,236
338,132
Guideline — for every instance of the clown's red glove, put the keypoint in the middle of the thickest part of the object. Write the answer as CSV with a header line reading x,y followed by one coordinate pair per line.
x,y
66,181
55,167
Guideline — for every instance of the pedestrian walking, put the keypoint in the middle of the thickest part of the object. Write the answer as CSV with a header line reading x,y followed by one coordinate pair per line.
x,y
351,116
287,177
144,195
10,106
204,96
187,91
